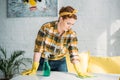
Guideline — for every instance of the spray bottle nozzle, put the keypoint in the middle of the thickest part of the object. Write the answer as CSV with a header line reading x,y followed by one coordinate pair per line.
x,y
47,55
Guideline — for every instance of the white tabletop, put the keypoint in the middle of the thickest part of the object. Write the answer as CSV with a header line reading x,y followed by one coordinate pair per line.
x,y
65,76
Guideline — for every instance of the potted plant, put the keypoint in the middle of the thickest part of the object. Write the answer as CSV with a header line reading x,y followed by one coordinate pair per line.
x,y
12,65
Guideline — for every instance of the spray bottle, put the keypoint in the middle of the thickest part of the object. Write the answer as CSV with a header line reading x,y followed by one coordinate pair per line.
x,y
46,66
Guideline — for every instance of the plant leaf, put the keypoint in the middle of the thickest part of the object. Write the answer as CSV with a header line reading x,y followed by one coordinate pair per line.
x,y
13,65
3,51
15,55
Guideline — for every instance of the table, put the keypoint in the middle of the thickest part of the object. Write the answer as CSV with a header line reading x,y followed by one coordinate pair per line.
x,y
65,76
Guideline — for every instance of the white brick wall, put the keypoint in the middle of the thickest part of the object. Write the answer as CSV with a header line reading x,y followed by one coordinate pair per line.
x,y
94,27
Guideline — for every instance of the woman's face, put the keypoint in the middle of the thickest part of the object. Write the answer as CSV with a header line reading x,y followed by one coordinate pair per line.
x,y
66,24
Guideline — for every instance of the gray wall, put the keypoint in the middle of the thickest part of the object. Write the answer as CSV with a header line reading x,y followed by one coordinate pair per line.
x,y
98,27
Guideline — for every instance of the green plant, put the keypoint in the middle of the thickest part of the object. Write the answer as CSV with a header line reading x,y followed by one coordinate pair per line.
x,y
12,65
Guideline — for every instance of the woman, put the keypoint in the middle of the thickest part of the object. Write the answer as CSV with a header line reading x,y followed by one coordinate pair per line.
x,y
57,38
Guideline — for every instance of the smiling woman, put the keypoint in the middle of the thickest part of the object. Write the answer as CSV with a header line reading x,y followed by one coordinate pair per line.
x,y
56,38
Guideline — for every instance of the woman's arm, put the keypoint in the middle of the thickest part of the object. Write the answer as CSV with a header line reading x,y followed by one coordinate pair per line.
x,y
36,57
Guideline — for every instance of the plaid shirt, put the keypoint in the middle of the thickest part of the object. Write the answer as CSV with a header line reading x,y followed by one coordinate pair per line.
x,y
49,40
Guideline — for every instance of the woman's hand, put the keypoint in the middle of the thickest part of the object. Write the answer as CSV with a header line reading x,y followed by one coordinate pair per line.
x,y
31,71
